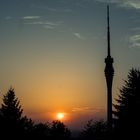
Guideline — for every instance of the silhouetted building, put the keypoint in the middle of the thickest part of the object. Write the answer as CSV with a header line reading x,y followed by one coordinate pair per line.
x,y
109,72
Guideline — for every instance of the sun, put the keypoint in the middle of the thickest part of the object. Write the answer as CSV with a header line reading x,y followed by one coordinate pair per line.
x,y
60,116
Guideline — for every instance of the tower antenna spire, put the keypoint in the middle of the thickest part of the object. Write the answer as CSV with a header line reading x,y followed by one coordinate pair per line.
x,y
108,32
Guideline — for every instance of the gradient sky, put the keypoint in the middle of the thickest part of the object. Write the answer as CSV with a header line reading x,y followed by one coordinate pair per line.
x,y
52,53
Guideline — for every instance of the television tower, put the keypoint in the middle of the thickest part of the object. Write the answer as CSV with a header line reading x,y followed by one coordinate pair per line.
x,y
109,72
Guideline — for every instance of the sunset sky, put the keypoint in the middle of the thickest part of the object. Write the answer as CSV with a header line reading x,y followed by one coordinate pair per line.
x,y
52,53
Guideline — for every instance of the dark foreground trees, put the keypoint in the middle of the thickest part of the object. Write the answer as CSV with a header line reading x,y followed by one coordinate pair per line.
x,y
127,109
15,125
59,131
96,130
51,131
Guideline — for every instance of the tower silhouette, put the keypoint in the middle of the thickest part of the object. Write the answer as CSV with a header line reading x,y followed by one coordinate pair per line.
x,y
109,72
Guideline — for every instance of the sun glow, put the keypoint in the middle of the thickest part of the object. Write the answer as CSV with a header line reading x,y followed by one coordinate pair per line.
x,y
60,116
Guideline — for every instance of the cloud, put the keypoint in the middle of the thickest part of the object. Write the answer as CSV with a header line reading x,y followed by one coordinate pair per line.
x,y
134,41
109,1
134,4
44,7
136,29
45,24
30,17
49,27
8,18
51,9
79,36
82,109
124,3
24,18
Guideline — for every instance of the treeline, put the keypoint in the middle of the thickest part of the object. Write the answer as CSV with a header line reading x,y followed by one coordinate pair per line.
x,y
15,125
126,118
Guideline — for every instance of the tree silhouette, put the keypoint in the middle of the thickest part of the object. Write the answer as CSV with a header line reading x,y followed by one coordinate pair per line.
x,y
127,109
12,123
27,127
59,131
41,131
11,109
94,130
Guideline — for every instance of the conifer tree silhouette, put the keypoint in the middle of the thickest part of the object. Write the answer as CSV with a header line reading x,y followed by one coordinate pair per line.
x,y
10,113
127,109
11,109
12,123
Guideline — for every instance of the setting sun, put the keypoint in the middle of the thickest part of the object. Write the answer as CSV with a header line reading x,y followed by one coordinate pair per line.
x,y
60,116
